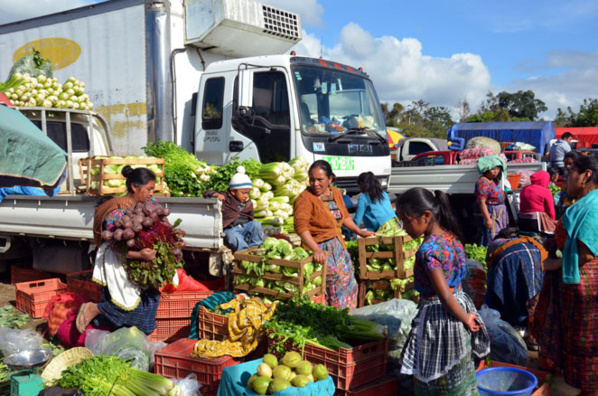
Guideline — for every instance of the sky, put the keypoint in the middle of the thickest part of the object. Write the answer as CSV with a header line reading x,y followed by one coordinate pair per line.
x,y
443,52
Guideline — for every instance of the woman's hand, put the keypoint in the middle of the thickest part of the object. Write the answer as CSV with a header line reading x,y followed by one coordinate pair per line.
x,y
472,323
219,196
180,233
320,256
488,223
365,234
147,254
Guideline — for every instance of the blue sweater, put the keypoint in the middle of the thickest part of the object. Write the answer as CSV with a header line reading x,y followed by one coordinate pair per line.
x,y
373,214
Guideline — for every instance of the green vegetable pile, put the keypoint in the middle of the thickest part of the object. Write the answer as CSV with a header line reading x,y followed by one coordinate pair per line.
x,y
280,279
303,322
109,375
376,292
184,174
475,252
554,189
10,318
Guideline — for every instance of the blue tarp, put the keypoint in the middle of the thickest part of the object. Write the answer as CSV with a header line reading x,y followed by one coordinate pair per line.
x,y
536,133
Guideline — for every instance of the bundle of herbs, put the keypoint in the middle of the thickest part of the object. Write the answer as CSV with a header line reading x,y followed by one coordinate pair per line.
x,y
102,375
303,322
145,225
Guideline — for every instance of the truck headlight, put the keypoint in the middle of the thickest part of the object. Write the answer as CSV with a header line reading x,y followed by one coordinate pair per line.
x,y
384,182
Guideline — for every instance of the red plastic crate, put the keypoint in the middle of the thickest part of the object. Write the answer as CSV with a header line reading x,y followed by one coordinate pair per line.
x,y
349,368
211,326
170,330
80,282
180,304
32,297
175,361
386,386
19,274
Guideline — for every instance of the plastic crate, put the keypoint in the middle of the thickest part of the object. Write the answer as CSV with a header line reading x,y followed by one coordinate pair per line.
x,y
396,254
80,282
544,388
20,274
180,304
211,326
32,297
175,361
249,255
388,385
171,329
350,368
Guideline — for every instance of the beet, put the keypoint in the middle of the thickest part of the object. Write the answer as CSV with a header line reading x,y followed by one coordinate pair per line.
x,y
137,219
127,225
118,234
107,235
128,234
137,227
149,208
166,212
155,218
125,218
147,222
160,212
118,223
131,242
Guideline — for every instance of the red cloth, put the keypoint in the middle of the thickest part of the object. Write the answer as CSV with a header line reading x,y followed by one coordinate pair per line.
x,y
537,197
188,283
59,307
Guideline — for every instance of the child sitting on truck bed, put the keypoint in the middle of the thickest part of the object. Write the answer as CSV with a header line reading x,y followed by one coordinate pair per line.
x,y
240,229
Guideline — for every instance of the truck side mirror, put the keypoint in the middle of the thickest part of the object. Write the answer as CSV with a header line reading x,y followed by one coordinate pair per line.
x,y
245,98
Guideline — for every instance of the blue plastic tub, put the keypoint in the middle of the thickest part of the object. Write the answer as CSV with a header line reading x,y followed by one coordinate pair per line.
x,y
505,381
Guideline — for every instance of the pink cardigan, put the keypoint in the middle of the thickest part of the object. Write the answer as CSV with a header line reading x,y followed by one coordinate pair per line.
x,y
537,197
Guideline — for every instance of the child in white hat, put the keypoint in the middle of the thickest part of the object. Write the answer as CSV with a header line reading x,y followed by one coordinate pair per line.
x,y
241,231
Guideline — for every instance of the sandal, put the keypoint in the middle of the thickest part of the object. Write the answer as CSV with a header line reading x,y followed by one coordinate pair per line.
x,y
81,321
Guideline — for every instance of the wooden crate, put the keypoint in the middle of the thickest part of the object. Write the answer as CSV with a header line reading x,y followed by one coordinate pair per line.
x,y
380,285
396,254
86,164
246,255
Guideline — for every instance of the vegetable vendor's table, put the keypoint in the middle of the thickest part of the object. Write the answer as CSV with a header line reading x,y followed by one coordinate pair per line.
x,y
234,379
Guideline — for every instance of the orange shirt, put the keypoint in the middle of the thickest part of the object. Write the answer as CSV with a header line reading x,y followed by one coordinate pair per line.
x,y
313,215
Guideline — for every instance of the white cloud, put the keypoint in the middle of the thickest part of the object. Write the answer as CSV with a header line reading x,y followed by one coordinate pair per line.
x,y
400,70
310,10
12,11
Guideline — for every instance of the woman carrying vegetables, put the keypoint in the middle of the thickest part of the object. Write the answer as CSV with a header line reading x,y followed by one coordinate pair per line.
x,y
374,205
320,213
446,330
123,302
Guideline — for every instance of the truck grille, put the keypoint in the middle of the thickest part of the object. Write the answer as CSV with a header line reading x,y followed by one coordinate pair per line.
x,y
281,23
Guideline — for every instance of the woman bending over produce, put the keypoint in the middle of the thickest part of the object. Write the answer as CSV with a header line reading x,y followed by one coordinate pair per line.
x,y
320,213
374,205
124,303
446,330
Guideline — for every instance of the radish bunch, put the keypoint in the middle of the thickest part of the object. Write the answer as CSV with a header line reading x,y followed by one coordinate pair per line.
x,y
143,216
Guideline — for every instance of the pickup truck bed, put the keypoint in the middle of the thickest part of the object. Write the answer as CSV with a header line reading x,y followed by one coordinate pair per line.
x,y
71,218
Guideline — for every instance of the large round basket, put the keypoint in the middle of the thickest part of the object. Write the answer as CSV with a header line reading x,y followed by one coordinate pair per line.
x,y
66,359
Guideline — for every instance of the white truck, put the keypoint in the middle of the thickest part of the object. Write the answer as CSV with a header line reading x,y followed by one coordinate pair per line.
x,y
206,74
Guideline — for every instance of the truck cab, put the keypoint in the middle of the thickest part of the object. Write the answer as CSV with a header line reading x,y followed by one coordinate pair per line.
x,y
274,108
79,133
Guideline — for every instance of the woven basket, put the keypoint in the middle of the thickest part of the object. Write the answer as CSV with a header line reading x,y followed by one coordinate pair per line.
x,y
66,359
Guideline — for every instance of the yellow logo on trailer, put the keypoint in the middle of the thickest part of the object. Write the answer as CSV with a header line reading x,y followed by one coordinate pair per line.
x,y
60,51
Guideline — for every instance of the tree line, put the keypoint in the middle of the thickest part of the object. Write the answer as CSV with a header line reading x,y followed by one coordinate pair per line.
x,y
420,119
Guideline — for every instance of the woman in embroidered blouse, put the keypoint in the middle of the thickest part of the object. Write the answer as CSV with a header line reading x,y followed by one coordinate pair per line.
x,y
447,331
490,199
320,213
123,302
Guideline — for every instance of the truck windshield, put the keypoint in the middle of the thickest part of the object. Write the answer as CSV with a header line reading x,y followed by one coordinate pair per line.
x,y
334,102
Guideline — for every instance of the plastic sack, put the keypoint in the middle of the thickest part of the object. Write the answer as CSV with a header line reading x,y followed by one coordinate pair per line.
x,y
189,385
506,345
128,343
29,64
523,146
59,307
16,340
474,282
186,283
396,315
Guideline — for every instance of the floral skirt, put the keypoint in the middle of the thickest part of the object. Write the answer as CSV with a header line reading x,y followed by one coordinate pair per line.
x,y
341,286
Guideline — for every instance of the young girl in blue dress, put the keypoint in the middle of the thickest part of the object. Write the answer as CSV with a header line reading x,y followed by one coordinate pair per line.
x,y
447,330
